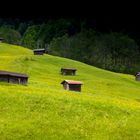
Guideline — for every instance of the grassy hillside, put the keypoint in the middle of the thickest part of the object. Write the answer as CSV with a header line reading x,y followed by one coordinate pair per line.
x,y
108,108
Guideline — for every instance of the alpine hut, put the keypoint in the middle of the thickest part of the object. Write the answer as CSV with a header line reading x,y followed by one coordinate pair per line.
x,y
137,76
39,51
72,85
1,39
68,71
12,77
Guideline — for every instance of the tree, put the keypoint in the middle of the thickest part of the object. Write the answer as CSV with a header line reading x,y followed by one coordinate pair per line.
x,y
10,35
30,36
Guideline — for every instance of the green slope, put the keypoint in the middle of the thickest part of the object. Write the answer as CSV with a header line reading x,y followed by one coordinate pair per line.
x,y
107,108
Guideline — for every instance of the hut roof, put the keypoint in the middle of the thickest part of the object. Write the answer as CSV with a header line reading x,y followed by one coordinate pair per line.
x,y
13,74
39,49
72,82
69,68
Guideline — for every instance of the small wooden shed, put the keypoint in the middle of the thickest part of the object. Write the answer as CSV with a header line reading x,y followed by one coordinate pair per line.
x,y
68,71
137,76
12,77
39,51
72,85
1,39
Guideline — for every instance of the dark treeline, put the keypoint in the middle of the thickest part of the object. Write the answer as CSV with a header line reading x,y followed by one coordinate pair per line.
x,y
75,39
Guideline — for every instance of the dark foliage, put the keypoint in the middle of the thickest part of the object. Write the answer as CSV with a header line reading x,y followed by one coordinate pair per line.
x,y
78,39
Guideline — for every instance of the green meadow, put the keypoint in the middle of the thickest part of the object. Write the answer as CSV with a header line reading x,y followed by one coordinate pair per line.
x,y
107,108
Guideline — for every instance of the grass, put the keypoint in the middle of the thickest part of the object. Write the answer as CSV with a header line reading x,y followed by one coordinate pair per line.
x,y
108,108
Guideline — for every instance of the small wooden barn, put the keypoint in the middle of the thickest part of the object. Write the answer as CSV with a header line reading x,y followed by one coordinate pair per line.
x,y
39,51
68,71
137,76
1,39
72,85
12,77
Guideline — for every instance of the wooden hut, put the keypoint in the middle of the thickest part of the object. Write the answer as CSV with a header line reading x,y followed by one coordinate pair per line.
x,y
12,77
137,76
68,71
72,85
39,51
1,39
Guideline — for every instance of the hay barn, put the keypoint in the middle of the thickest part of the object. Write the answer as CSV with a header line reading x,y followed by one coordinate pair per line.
x,y
68,71
137,76
72,85
39,51
12,77
1,39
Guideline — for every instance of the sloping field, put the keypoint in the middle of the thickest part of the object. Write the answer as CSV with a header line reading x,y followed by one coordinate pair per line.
x,y
108,108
